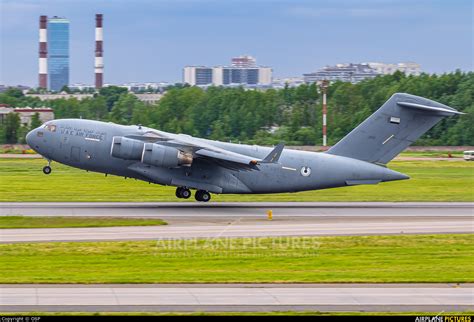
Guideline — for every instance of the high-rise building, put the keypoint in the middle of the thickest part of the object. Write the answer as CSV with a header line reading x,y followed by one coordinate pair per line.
x,y
58,53
198,75
243,71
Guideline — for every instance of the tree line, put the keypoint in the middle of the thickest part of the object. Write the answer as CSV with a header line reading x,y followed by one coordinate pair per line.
x,y
292,115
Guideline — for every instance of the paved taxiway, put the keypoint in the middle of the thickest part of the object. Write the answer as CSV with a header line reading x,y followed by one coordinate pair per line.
x,y
238,297
196,220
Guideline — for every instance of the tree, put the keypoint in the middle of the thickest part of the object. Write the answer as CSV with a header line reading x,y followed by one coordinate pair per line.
x,y
14,92
35,121
240,114
21,134
66,89
122,112
112,94
12,125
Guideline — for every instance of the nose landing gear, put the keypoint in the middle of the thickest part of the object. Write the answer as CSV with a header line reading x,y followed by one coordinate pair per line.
x,y
47,169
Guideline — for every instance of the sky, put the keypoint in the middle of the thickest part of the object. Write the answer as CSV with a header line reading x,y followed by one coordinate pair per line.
x,y
152,40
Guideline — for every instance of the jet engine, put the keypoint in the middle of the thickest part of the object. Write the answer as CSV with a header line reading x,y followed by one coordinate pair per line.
x,y
165,156
125,148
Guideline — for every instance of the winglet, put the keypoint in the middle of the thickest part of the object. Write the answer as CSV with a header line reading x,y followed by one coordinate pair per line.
x,y
273,156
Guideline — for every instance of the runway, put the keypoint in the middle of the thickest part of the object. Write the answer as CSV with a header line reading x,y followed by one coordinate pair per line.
x,y
215,220
238,297
233,209
193,220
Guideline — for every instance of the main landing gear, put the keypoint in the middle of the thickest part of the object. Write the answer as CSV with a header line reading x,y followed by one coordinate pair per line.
x,y
47,169
200,195
183,192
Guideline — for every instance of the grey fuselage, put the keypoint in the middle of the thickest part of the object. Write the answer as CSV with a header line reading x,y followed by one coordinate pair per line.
x,y
86,144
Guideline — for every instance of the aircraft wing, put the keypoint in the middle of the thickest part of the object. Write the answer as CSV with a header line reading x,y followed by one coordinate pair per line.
x,y
202,149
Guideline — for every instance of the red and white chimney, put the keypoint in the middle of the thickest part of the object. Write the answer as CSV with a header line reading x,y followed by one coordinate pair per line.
x,y
99,60
43,52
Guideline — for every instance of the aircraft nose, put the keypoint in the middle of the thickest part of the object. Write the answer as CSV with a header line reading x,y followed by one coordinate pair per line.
x,y
30,137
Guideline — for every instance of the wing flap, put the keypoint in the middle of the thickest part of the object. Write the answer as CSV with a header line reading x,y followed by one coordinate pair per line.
x,y
227,156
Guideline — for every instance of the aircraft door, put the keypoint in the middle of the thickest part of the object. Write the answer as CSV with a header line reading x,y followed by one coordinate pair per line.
x,y
75,154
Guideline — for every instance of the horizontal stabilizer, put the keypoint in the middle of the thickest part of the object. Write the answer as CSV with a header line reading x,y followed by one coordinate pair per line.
x,y
427,108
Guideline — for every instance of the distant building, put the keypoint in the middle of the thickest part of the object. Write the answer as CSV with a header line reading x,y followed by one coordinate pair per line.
x,y
409,68
243,71
288,81
81,87
144,87
64,95
58,53
149,98
22,88
26,113
342,72
355,73
4,110
198,75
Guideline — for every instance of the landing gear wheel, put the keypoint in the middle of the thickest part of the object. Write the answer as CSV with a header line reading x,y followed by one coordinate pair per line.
x,y
185,193
202,195
47,169
182,192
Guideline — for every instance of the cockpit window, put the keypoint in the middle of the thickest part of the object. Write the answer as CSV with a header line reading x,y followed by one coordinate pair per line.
x,y
50,127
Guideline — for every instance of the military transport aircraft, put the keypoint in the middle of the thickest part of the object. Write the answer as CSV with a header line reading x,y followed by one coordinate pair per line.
x,y
217,167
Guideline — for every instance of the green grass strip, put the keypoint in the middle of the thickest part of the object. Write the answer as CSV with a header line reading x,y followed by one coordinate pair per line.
x,y
69,222
345,259
23,180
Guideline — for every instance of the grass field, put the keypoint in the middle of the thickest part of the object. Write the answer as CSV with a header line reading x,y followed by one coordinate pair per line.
x,y
23,180
432,154
62,222
410,258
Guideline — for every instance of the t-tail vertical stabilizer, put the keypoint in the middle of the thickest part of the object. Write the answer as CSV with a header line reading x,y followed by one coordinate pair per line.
x,y
392,128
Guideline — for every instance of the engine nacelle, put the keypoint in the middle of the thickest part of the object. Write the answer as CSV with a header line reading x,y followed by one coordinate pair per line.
x,y
125,148
165,156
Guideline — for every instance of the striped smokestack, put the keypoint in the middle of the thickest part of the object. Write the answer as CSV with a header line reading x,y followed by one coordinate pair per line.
x,y
43,53
99,60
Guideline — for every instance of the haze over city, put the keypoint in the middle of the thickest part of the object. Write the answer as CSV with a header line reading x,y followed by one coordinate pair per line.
x,y
148,40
